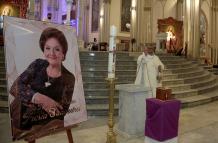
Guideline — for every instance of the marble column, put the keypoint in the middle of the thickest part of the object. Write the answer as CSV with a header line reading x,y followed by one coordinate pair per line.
x,y
213,55
81,22
140,23
101,21
147,24
37,9
104,21
133,28
69,5
179,8
192,27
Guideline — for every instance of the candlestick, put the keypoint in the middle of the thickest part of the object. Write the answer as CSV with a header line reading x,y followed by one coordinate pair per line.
x,y
111,56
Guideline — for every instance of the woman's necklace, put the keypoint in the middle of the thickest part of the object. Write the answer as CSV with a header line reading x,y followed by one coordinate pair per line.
x,y
47,83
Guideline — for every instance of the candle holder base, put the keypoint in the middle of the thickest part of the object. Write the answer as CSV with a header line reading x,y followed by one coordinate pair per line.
x,y
111,136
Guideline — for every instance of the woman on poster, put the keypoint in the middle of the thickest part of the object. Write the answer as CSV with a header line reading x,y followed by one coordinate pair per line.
x,y
43,92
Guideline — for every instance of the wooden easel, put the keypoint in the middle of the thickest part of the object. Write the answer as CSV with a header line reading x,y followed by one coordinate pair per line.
x,y
69,136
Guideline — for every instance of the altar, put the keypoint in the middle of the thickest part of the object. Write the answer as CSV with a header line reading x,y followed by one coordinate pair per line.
x,y
132,109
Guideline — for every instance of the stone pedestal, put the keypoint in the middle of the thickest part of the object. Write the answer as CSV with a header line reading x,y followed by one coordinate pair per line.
x,y
132,109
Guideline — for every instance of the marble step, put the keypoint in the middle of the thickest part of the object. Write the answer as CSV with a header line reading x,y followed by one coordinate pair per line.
x,y
104,62
2,54
2,64
100,109
207,89
124,78
101,54
204,83
198,84
3,96
170,57
181,69
186,80
100,85
214,71
196,91
193,73
179,87
2,75
4,110
105,72
123,57
96,92
202,77
173,61
3,88
2,69
100,99
105,67
185,93
169,76
3,81
4,106
199,99
178,65
2,58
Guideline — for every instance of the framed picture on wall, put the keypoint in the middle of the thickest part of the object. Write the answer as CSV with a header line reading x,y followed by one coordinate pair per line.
x,y
125,15
95,15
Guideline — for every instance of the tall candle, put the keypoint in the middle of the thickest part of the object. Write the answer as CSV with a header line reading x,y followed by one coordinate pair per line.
x,y
112,48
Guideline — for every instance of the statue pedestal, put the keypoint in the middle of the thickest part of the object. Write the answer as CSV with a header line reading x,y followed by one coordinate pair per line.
x,y
132,109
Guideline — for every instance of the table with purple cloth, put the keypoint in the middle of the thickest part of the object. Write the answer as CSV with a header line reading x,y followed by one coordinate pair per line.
x,y
162,119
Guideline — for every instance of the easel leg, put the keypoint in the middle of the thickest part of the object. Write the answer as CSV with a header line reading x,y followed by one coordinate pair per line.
x,y
33,141
69,135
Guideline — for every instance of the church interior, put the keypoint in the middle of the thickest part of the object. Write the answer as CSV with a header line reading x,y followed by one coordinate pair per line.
x,y
184,34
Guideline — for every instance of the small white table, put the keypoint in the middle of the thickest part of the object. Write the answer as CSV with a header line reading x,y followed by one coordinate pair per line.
x,y
132,109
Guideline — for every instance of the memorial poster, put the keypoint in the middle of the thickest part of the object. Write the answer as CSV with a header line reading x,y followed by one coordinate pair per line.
x,y
44,78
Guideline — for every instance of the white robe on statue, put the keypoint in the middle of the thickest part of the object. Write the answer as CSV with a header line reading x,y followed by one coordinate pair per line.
x,y
147,71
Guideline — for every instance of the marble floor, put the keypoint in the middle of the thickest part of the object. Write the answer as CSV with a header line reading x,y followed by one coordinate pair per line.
x,y
196,125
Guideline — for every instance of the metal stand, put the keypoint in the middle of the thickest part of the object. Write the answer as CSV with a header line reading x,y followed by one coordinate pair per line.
x,y
69,136
111,136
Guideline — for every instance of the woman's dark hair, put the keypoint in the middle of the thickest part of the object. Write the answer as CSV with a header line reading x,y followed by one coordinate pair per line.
x,y
51,32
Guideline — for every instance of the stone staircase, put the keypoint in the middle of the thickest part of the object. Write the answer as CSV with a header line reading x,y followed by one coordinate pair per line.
x,y
189,81
94,67
3,86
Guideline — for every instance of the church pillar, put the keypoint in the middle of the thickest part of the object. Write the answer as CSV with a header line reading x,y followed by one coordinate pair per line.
x,y
147,21
179,8
140,28
69,4
192,28
81,22
214,32
104,28
133,28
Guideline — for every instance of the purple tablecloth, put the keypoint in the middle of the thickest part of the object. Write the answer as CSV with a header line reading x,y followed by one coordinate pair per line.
x,y
162,119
